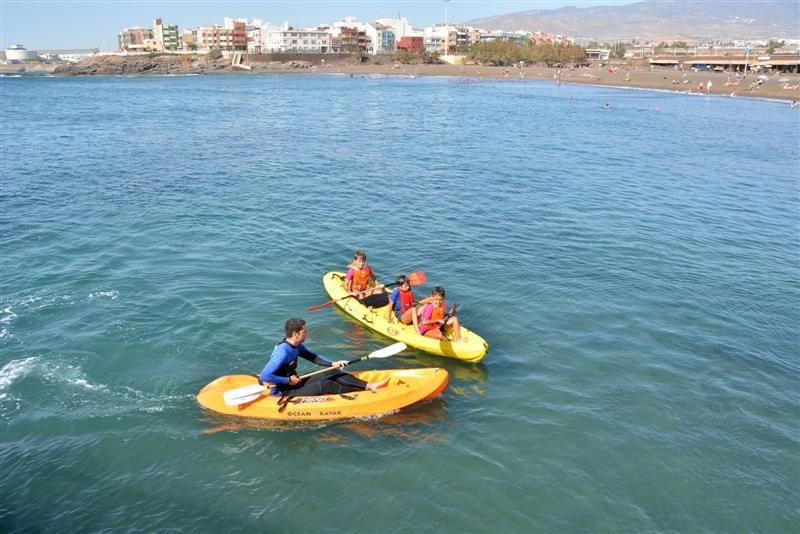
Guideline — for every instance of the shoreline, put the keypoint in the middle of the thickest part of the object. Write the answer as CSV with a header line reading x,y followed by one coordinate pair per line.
x,y
630,74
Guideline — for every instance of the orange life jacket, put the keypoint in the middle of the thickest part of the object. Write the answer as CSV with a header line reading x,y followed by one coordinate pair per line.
x,y
438,312
361,278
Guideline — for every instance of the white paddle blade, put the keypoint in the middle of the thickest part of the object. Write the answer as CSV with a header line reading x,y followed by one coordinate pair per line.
x,y
243,394
391,350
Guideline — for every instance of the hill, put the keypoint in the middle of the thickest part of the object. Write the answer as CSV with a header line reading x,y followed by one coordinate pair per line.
x,y
660,20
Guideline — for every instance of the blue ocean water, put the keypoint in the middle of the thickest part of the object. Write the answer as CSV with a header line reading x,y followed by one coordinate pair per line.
x,y
634,272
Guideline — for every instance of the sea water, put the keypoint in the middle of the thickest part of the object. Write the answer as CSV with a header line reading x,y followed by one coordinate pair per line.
x,y
633,269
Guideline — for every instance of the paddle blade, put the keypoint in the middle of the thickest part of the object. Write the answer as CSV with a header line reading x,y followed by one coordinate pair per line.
x,y
243,394
417,278
312,308
391,350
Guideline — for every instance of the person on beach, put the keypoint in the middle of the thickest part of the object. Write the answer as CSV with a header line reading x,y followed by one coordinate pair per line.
x,y
402,305
281,369
793,104
434,319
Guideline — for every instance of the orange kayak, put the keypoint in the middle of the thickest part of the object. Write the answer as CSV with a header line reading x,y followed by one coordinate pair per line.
x,y
405,387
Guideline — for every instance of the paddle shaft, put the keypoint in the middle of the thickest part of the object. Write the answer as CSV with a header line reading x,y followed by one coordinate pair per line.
x,y
314,308
413,279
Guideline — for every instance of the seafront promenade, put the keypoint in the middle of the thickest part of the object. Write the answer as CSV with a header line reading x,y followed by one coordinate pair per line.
x,y
627,74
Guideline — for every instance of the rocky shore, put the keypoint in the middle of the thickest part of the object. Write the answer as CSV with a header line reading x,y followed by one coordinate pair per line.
x,y
626,74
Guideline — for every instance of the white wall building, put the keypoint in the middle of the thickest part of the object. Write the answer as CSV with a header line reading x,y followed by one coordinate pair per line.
x,y
20,53
436,37
382,39
307,41
400,27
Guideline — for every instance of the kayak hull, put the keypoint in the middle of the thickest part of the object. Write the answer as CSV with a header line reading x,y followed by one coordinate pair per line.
x,y
405,387
471,348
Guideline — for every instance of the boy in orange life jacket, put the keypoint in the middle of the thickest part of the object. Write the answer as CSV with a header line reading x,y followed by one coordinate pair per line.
x,y
359,275
402,305
432,317
359,282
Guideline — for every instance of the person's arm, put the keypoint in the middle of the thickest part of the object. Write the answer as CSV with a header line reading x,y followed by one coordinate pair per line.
x,y
313,358
348,280
319,360
425,315
275,362
393,296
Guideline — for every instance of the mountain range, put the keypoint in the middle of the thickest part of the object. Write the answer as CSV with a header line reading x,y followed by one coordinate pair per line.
x,y
660,20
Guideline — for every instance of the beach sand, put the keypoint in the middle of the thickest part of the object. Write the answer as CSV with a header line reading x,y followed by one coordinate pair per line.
x,y
633,74
641,78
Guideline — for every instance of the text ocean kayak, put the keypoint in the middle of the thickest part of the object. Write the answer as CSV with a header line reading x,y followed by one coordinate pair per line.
x,y
471,348
405,387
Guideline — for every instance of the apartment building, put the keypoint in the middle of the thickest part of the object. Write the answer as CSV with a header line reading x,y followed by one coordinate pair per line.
x,y
216,37
349,39
307,41
411,44
380,38
135,39
400,28
166,36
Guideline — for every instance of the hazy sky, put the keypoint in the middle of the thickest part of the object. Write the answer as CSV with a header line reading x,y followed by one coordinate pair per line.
x,y
38,24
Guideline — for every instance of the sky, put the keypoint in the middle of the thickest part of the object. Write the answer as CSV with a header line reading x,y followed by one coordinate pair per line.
x,y
46,24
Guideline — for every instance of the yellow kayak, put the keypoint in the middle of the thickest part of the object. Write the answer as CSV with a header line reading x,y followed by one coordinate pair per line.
x,y
405,387
471,348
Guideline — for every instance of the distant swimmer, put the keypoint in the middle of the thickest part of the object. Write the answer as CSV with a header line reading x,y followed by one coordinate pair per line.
x,y
605,106
793,104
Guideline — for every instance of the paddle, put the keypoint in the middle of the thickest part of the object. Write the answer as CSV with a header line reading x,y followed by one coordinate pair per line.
x,y
414,279
447,316
249,393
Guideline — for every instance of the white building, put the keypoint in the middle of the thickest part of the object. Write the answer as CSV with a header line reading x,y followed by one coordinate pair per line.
x,y
400,27
382,39
306,41
437,37
20,53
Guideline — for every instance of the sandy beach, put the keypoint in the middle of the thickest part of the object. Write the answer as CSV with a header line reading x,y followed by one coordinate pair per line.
x,y
626,76
633,74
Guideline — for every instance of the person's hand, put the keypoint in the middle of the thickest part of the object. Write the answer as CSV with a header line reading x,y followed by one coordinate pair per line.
x,y
390,319
294,380
339,364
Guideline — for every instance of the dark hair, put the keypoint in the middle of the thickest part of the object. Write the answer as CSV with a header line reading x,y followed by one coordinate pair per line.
x,y
360,254
292,326
438,290
402,279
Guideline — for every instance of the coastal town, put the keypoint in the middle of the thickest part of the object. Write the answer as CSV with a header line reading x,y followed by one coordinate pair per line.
x,y
391,44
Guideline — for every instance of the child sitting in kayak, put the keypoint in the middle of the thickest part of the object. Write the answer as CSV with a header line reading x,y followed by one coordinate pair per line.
x,y
360,282
433,319
402,305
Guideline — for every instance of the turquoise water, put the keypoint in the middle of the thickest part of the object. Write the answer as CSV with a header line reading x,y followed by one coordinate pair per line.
x,y
635,274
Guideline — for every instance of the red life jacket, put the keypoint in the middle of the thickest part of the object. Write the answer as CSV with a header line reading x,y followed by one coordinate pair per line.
x,y
406,300
361,278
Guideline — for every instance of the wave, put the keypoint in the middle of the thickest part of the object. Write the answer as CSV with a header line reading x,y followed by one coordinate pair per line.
x,y
14,370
